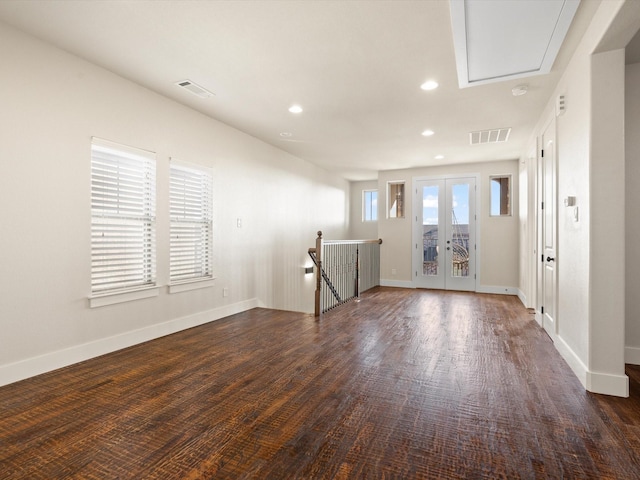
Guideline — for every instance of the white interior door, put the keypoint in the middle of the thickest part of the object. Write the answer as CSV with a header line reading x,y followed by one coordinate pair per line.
x,y
548,214
445,233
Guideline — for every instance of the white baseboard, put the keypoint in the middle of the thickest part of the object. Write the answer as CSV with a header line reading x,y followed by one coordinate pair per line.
x,y
396,283
595,382
497,290
632,355
608,384
538,318
523,298
575,363
481,289
31,367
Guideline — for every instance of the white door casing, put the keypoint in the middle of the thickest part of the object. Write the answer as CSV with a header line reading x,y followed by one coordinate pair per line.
x,y
548,233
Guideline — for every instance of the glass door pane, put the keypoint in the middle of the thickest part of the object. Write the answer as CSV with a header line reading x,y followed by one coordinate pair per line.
x,y
460,230
428,257
430,247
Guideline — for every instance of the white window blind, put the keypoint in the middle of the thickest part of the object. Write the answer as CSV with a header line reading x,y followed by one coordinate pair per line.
x,y
191,212
123,186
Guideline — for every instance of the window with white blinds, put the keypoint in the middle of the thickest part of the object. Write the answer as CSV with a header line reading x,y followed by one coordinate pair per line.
x,y
123,209
191,213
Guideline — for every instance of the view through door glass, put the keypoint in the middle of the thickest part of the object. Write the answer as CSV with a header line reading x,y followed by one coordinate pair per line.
x,y
459,253
430,221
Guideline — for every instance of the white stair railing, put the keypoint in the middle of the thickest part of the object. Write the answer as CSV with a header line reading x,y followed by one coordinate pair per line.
x,y
344,269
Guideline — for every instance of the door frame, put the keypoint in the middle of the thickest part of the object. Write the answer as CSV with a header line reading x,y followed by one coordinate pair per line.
x,y
416,254
540,231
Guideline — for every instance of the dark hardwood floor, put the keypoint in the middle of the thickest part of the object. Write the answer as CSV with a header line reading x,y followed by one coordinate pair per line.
x,y
403,384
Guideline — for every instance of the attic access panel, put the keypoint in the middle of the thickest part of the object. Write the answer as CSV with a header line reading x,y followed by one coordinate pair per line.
x,y
498,40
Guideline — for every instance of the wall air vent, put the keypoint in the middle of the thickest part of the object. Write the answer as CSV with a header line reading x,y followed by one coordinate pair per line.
x,y
497,135
195,89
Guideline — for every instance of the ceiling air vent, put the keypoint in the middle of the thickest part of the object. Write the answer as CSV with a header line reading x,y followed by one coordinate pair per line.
x,y
195,89
497,135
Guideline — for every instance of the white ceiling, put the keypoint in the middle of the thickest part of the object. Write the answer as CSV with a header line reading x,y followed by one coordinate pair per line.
x,y
354,66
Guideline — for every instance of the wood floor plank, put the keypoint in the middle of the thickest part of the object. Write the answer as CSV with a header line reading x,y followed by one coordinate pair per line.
x,y
401,384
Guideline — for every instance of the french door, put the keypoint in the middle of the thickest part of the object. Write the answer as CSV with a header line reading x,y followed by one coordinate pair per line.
x,y
444,233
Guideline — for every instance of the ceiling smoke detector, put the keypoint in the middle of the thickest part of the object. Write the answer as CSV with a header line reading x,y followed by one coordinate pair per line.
x,y
497,135
519,90
195,89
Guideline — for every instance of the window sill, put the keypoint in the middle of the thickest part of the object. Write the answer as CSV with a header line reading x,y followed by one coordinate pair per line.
x,y
189,285
121,297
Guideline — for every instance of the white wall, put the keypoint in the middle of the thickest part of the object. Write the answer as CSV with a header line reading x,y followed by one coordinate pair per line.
x,y
498,262
360,230
52,104
591,252
632,200
607,290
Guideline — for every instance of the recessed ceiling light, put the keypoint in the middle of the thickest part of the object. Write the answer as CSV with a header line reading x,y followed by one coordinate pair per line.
x,y
427,133
285,134
295,109
439,157
429,85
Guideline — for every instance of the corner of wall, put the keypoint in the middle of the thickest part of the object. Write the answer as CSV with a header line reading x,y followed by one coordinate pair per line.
x,y
607,384
594,382
632,355
523,298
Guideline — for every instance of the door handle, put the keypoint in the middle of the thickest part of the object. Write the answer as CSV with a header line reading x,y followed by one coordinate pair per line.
x,y
551,259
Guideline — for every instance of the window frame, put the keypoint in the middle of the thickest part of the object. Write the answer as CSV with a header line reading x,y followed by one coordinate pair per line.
x,y
123,222
372,214
505,198
193,217
396,206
